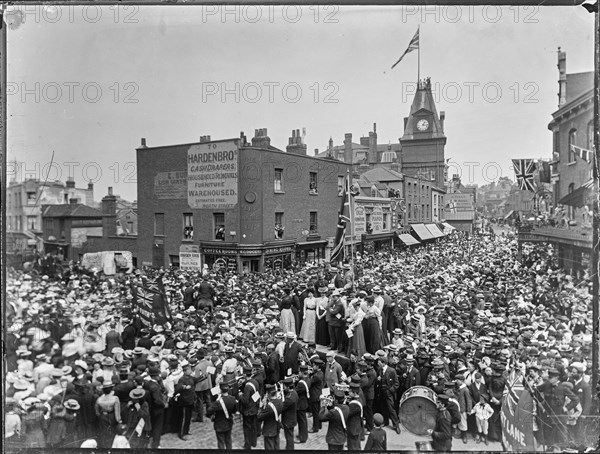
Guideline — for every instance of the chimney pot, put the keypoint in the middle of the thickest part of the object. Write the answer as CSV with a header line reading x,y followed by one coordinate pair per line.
x,y
293,133
143,142
110,190
316,151
256,133
374,127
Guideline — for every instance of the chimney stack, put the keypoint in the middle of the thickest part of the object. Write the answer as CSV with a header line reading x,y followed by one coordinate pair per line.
x,y
442,118
373,145
70,183
330,143
143,143
73,201
562,78
295,145
90,194
261,139
109,214
348,148
316,151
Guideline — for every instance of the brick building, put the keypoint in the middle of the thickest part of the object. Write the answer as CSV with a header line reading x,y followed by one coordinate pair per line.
x,y
247,206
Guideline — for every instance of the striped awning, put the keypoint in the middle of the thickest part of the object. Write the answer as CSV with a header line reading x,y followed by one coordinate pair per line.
x,y
422,232
448,226
435,231
408,239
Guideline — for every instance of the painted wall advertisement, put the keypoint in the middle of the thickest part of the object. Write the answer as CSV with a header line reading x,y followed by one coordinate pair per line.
x,y
212,176
170,185
360,220
189,261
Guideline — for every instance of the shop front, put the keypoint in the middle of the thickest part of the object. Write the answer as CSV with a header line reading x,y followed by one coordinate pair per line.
x,y
312,251
277,256
236,258
378,242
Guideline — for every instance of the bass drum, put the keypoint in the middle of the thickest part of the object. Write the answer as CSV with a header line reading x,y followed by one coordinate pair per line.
x,y
418,409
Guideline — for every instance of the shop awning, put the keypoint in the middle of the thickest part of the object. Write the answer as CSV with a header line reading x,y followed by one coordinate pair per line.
x,y
311,244
422,232
408,239
448,226
435,231
575,198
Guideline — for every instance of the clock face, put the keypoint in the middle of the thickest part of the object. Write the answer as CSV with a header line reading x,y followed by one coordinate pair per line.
x,y
422,125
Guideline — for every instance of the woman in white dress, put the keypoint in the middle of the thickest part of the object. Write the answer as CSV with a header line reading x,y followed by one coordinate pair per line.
x,y
309,323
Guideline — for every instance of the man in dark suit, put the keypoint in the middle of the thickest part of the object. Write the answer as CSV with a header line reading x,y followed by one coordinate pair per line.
x,y
223,409
582,390
389,386
270,415
368,386
249,399
303,391
289,419
335,322
465,403
291,354
337,415
355,418
315,389
128,335
157,401
412,376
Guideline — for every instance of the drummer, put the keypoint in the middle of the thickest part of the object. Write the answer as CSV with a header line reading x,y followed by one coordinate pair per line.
x,y
441,434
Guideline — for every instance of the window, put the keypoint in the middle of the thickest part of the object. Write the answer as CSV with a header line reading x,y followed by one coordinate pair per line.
x,y
423,211
570,209
9,222
340,185
18,226
427,211
409,210
313,227
435,212
130,228
188,226
278,183
556,142
373,192
409,187
368,221
32,222
219,224
159,223
279,228
386,220
572,133
31,198
590,135
312,188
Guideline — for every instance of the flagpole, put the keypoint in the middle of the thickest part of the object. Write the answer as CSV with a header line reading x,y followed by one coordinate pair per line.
x,y
351,217
419,55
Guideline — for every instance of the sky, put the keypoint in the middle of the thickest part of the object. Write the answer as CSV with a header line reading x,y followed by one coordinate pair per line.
x,y
86,84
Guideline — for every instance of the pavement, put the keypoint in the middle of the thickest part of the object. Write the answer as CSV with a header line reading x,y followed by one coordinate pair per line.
x,y
203,437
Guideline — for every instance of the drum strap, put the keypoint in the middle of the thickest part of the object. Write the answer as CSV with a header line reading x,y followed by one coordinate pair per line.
x,y
360,405
224,407
342,416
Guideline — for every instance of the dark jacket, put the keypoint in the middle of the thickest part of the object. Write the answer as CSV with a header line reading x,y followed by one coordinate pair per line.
x,y
389,380
156,394
222,423
336,434
476,394
186,389
377,440
248,406
128,337
464,399
303,393
355,421
413,378
291,357
333,309
584,392
272,368
442,433
289,417
368,384
316,386
271,424
554,398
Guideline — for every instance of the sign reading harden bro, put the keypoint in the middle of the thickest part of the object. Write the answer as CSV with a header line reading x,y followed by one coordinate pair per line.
x,y
213,175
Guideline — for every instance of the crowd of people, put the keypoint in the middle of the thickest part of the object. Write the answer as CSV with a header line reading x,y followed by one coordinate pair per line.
x,y
461,317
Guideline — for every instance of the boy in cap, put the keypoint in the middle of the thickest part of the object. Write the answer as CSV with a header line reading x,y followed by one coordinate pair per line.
x,y
442,433
377,440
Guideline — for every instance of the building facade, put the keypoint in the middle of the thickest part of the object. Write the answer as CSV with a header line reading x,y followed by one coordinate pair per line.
x,y
24,203
244,206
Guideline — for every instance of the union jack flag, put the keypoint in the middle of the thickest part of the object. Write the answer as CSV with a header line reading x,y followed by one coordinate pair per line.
x,y
337,253
151,301
524,169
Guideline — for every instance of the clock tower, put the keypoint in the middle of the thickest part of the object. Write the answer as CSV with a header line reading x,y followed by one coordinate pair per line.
x,y
424,140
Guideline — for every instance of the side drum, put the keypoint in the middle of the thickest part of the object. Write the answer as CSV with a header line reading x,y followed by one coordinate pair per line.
x,y
418,409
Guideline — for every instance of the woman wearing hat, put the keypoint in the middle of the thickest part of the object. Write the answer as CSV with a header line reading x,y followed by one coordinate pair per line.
x,y
33,423
309,322
287,320
322,328
357,341
137,410
108,410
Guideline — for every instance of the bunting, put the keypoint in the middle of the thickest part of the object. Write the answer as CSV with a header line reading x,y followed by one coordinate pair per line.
x,y
582,153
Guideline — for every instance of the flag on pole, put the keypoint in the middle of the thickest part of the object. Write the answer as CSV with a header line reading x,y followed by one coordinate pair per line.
x,y
582,153
524,169
151,301
413,45
337,253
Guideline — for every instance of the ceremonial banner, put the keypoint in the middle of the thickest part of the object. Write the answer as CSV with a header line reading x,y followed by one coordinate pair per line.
x,y
517,419
151,301
337,253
